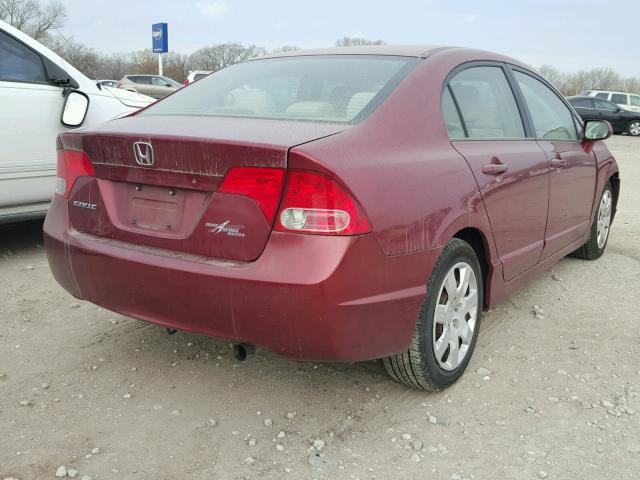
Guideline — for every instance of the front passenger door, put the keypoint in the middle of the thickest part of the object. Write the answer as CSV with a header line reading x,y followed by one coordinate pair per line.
x,y
30,110
572,178
511,171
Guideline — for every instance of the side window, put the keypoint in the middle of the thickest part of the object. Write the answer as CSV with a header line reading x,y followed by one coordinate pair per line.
x,y
606,106
451,116
635,100
487,104
620,98
552,120
141,80
604,95
158,81
19,63
582,102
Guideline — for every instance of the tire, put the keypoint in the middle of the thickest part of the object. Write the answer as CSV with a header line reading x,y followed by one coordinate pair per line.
x,y
595,246
633,128
430,364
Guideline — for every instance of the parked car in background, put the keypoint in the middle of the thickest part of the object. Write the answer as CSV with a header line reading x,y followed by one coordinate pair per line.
x,y
628,101
196,75
153,85
594,108
108,83
259,216
41,95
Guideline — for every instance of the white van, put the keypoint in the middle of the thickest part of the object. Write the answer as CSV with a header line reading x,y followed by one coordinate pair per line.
x,y
40,96
626,101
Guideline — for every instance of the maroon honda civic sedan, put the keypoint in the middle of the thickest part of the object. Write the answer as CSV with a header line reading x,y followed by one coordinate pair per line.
x,y
344,204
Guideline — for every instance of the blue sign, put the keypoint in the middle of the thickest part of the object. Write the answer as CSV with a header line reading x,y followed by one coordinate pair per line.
x,y
160,37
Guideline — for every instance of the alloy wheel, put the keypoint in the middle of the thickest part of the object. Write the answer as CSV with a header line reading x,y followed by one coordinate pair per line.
x,y
604,218
455,316
634,128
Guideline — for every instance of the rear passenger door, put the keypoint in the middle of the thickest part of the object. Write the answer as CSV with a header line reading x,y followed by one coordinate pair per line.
x,y
143,85
572,178
621,99
486,126
610,112
586,107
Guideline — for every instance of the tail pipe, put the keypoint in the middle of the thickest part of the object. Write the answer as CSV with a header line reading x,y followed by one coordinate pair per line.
x,y
242,351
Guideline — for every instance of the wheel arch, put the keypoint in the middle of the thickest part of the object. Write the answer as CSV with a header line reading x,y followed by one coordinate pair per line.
x,y
614,180
479,243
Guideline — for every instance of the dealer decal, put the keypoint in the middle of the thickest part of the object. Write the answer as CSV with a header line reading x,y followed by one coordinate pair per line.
x,y
225,227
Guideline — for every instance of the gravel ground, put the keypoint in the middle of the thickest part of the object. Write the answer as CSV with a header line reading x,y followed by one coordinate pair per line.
x,y
552,395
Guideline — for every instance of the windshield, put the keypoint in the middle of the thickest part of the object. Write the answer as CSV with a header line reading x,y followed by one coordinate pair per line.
x,y
339,88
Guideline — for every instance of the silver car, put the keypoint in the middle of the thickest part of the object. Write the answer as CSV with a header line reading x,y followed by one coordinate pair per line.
x,y
153,85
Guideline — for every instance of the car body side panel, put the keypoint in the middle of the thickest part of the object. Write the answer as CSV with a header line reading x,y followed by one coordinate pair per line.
x,y
571,193
516,201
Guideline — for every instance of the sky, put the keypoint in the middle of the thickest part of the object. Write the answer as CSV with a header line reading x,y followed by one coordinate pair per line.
x,y
570,35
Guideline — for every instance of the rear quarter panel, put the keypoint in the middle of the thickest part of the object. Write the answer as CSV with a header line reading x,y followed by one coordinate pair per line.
x,y
417,190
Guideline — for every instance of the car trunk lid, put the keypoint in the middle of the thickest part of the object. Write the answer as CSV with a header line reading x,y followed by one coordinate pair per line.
x,y
158,179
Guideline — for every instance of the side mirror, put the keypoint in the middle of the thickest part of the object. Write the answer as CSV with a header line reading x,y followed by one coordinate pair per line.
x,y
74,111
168,85
595,130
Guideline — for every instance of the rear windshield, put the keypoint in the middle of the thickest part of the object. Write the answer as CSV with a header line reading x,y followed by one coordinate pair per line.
x,y
337,89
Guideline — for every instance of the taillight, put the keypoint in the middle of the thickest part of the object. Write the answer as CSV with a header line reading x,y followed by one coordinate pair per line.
x,y
262,184
315,203
71,165
186,81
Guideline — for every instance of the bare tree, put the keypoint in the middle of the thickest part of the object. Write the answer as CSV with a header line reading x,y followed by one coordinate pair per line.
x,y
144,61
85,59
219,56
285,48
176,66
356,42
32,18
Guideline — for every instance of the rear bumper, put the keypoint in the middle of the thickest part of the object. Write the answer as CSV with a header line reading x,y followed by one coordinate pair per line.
x,y
306,296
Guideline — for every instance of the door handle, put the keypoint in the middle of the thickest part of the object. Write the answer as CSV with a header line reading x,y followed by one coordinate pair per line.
x,y
558,162
494,169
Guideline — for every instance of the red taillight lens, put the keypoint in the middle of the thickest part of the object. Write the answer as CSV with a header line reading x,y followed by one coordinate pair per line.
x,y
264,185
186,81
71,165
315,203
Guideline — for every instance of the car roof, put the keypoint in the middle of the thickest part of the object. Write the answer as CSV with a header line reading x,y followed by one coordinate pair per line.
x,y
612,91
418,51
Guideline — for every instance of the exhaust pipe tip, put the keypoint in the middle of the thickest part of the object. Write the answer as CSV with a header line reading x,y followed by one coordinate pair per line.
x,y
242,351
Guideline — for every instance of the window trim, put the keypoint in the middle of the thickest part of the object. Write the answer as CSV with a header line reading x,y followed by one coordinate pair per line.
x,y
42,63
577,121
458,111
520,105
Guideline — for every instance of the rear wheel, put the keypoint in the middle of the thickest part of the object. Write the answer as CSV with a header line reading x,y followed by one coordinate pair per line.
x,y
599,236
448,323
634,128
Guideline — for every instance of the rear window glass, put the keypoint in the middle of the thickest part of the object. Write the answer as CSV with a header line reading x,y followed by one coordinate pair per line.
x,y
338,88
635,100
198,76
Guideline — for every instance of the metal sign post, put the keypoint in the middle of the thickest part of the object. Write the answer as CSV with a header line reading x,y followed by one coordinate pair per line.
x,y
160,41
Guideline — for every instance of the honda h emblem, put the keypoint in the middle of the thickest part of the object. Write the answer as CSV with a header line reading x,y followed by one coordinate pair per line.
x,y
144,153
